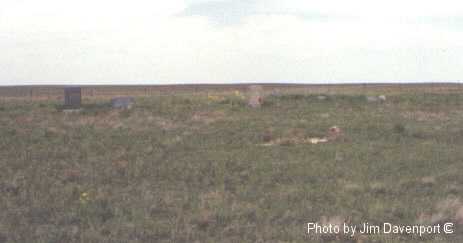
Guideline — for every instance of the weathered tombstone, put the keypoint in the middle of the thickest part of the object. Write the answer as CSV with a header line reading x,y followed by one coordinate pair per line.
x,y
72,97
256,98
122,102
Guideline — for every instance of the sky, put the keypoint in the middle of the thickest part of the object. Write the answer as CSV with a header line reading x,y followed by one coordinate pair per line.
x,y
228,41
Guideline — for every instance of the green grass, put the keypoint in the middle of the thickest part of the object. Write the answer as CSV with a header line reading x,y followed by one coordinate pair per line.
x,y
191,169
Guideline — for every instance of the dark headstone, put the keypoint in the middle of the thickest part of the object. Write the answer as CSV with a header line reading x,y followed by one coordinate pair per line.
x,y
72,97
122,102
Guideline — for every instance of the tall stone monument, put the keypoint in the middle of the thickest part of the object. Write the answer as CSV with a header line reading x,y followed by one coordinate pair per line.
x,y
256,96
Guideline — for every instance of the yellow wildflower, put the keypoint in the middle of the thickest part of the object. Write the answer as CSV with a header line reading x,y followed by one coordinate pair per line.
x,y
238,94
84,197
214,98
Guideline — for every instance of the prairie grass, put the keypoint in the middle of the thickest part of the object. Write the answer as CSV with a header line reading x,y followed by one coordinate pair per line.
x,y
193,169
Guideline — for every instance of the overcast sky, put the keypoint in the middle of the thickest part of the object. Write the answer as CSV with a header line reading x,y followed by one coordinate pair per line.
x,y
207,41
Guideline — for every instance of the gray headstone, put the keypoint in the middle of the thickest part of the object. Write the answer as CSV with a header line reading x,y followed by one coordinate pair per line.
x,y
122,102
72,97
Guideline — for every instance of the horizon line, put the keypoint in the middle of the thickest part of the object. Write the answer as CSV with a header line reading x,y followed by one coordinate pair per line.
x,y
295,83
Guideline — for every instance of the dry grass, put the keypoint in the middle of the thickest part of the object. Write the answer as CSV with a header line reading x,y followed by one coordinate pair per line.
x,y
190,169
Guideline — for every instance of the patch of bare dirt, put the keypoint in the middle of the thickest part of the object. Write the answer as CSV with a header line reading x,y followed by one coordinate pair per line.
x,y
141,121
298,137
447,210
24,120
208,117
109,119
426,116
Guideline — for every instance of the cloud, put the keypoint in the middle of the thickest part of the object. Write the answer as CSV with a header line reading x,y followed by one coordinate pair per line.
x,y
370,9
224,41
228,12
223,12
55,15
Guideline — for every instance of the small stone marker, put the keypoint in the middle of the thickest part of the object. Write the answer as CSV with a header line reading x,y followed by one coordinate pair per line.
x,y
381,98
72,97
122,102
255,96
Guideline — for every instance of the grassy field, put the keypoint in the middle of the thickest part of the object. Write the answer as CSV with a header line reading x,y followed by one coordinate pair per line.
x,y
211,169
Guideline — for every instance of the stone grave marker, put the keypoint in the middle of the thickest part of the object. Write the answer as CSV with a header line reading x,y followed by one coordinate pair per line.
x,y
122,102
72,97
256,96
